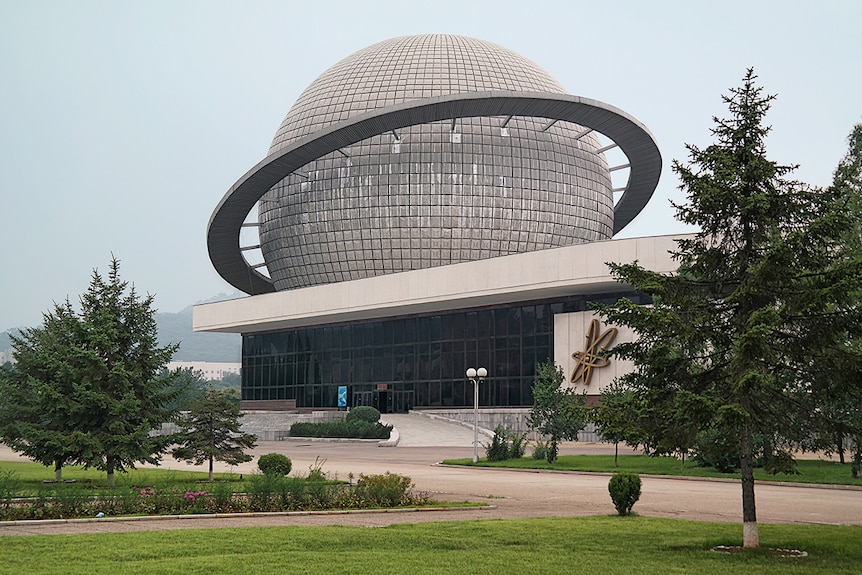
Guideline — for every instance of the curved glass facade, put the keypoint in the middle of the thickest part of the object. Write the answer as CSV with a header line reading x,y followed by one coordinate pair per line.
x,y
383,206
417,361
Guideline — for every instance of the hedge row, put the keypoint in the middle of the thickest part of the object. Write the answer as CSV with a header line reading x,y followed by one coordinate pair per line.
x,y
354,429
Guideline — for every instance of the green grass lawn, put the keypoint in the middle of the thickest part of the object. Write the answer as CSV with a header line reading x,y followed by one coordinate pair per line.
x,y
603,544
28,477
810,471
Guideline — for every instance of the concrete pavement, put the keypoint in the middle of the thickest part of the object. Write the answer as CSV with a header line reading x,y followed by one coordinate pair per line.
x,y
420,430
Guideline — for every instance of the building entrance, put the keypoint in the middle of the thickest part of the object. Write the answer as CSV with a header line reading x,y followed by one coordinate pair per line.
x,y
385,400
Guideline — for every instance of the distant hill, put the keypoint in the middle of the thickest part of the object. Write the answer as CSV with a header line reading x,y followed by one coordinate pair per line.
x,y
5,342
194,346
197,346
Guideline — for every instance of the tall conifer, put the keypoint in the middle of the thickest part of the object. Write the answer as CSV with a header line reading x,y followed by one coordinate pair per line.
x,y
761,288
87,387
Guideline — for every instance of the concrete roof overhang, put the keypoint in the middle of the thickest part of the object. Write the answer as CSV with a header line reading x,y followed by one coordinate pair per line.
x,y
223,231
551,273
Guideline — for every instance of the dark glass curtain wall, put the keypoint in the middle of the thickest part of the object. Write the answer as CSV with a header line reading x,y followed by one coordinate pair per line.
x,y
420,357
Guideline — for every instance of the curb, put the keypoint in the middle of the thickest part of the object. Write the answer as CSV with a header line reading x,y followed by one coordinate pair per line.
x,y
24,522
394,438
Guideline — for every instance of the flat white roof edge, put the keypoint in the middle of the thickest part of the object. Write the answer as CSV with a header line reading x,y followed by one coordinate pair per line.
x,y
579,269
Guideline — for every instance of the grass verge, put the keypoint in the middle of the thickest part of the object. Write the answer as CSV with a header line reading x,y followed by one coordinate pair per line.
x,y
607,544
810,471
29,477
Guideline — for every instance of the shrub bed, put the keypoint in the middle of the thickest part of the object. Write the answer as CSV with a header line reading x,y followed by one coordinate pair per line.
x,y
364,413
263,493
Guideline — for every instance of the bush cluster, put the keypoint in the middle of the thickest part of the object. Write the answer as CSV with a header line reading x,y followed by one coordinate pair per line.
x,y
720,450
387,490
625,490
352,429
540,451
717,450
364,413
505,444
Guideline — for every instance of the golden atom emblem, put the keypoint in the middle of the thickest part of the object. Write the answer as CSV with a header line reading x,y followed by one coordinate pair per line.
x,y
589,359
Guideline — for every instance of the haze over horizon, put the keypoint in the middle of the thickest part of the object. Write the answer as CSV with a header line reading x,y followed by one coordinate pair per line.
x,y
124,124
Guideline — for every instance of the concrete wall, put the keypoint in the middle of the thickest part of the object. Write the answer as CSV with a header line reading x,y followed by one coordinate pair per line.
x,y
572,337
273,425
514,419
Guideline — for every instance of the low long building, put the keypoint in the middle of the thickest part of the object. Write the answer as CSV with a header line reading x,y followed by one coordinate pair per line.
x,y
209,369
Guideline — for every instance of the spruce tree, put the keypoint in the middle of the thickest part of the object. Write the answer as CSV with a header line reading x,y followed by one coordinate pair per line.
x,y
118,377
836,390
768,277
37,400
86,387
210,431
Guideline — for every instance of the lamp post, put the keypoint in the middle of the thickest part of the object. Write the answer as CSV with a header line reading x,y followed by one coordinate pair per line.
x,y
476,376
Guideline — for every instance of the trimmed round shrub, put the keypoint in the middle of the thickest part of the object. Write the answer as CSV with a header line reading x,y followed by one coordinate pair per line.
x,y
625,490
274,464
364,413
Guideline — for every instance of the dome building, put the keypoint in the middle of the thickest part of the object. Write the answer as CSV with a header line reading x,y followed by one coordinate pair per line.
x,y
419,211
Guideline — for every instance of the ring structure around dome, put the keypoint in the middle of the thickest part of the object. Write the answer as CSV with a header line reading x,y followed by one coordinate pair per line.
x,y
427,205
635,141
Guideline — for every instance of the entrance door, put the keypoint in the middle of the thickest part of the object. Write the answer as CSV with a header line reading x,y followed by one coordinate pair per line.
x,y
385,400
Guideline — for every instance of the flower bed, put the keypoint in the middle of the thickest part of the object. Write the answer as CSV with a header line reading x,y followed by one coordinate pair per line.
x,y
263,493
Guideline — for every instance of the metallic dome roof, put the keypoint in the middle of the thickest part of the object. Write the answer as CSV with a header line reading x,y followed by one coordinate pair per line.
x,y
404,69
424,151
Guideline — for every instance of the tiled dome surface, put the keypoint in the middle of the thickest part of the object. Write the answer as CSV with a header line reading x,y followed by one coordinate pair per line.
x,y
429,195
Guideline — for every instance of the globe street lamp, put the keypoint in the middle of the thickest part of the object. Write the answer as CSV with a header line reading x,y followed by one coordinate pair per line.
x,y
476,376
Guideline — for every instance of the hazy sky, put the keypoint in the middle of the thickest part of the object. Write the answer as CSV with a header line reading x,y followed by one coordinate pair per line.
x,y
123,123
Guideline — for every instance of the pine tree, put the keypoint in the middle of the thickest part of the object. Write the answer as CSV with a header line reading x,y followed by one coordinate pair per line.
x,y
210,431
86,387
118,377
37,402
760,288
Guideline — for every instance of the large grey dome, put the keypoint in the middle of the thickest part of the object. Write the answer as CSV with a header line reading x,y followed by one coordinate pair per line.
x,y
404,69
436,193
